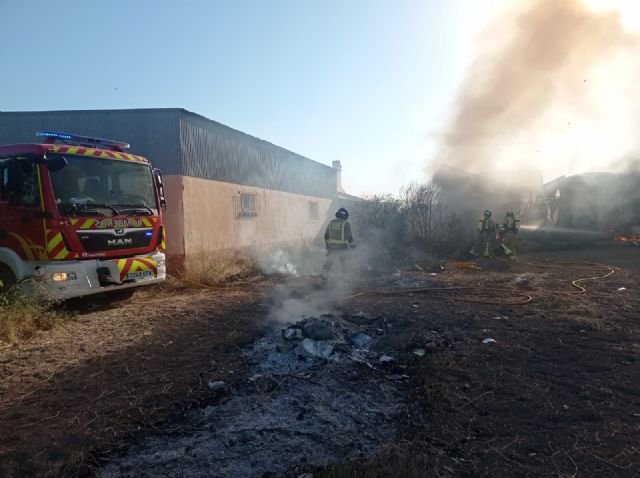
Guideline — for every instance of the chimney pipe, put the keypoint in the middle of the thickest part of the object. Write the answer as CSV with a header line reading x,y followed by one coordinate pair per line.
x,y
338,167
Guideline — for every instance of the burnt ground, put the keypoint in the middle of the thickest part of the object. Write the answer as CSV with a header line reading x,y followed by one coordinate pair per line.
x,y
556,394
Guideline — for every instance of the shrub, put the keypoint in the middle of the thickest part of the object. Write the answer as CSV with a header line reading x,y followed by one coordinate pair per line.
x,y
21,317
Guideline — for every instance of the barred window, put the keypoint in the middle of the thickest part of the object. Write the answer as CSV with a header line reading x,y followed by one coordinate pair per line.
x,y
313,210
246,205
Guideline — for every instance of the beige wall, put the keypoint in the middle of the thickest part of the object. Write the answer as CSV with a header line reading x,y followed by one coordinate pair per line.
x,y
210,221
173,215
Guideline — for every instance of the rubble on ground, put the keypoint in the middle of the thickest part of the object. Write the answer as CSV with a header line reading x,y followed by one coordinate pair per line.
x,y
320,391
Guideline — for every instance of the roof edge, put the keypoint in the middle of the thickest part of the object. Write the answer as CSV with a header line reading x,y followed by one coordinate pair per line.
x,y
140,110
257,140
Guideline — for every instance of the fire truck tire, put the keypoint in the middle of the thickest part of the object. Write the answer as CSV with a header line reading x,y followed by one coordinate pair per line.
x,y
7,278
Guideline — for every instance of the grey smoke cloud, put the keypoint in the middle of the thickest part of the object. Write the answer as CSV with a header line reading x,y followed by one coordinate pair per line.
x,y
540,98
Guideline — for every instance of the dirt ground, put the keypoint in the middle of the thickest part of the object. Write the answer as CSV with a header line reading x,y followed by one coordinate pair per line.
x,y
556,394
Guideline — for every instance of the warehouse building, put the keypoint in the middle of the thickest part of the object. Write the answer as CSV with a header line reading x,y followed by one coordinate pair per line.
x,y
225,189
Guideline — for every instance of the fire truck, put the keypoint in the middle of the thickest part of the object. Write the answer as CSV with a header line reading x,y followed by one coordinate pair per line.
x,y
79,216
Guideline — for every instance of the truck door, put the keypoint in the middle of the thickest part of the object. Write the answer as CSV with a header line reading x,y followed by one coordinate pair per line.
x,y
21,216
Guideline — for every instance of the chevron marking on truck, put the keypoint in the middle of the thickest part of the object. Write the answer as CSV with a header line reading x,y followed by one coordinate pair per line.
x,y
113,223
127,266
97,153
56,247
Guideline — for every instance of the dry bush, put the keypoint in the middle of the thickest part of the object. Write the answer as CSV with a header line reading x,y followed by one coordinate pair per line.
x,y
416,217
428,221
21,317
374,213
218,268
377,221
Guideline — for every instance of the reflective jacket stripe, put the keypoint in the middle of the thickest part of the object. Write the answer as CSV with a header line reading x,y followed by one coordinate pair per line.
x,y
485,225
512,224
336,234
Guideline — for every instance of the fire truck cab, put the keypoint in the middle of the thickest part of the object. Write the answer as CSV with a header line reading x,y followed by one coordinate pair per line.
x,y
79,216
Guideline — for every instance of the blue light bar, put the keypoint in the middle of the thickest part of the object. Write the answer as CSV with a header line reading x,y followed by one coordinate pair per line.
x,y
84,139
48,134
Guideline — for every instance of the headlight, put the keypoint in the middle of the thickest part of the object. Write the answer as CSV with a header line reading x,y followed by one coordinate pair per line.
x,y
62,276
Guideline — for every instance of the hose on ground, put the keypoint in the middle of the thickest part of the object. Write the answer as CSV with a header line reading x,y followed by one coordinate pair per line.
x,y
499,295
573,264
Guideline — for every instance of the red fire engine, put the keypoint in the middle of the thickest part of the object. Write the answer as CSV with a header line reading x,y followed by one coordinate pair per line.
x,y
78,216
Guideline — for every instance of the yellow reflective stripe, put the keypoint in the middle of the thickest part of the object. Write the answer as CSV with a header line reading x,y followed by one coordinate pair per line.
x,y
98,153
139,266
74,221
57,239
87,224
146,222
62,254
334,226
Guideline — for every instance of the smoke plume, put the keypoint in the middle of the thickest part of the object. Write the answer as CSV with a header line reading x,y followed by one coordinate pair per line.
x,y
556,91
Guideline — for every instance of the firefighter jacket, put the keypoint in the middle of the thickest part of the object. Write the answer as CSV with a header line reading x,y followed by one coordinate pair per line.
x,y
486,224
338,234
511,224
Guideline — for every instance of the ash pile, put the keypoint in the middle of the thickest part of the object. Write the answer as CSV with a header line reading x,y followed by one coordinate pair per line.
x,y
318,392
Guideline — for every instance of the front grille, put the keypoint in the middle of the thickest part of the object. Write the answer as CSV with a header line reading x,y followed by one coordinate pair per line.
x,y
107,241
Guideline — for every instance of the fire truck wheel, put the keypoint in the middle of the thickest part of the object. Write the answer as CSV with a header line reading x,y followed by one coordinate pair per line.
x,y
7,279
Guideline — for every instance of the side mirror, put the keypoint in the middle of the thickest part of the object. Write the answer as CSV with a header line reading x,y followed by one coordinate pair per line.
x,y
56,163
157,174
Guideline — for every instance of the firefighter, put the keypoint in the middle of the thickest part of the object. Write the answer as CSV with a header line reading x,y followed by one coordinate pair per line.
x,y
508,231
338,240
486,230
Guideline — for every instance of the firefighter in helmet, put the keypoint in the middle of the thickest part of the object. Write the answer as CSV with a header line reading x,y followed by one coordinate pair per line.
x,y
486,230
508,231
338,240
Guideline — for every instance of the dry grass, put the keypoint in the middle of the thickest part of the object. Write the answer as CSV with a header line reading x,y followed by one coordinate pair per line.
x,y
21,317
220,268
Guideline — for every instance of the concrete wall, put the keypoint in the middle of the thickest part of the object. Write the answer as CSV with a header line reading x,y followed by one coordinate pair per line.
x,y
211,220
173,215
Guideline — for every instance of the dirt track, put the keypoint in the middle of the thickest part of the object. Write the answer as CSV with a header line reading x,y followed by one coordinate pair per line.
x,y
557,394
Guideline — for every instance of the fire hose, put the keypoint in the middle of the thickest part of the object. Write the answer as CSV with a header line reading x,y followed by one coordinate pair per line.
x,y
573,264
499,296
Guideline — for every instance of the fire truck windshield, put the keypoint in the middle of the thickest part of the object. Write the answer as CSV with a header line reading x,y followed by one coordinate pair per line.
x,y
91,186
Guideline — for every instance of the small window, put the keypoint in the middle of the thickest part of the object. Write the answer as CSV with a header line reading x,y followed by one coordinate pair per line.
x,y
313,210
248,205
4,179
19,182
27,187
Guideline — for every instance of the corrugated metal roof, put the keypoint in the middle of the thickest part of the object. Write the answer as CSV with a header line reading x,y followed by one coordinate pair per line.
x,y
181,142
211,150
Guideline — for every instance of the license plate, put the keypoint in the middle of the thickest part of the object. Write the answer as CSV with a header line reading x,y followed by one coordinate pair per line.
x,y
139,275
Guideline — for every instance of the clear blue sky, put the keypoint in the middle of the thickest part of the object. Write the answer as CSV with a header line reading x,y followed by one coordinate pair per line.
x,y
366,82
